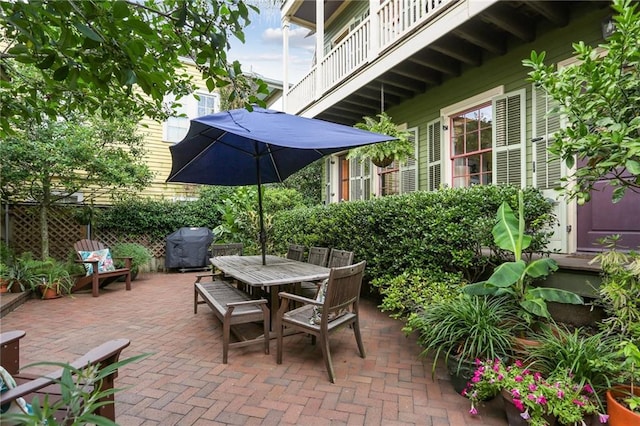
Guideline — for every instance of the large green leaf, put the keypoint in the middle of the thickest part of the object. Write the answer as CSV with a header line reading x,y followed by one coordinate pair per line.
x,y
536,306
479,289
541,267
505,231
507,274
555,295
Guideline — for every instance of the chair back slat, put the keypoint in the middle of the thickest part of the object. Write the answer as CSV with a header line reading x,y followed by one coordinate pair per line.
x,y
318,256
295,252
343,287
229,249
339,258
88,245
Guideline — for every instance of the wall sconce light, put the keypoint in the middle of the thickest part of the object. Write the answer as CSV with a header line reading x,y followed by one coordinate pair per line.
x,y
607,26
445,127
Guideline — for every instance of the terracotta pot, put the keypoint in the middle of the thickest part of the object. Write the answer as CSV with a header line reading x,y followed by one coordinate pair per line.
x,y
4,286
619,414
49,292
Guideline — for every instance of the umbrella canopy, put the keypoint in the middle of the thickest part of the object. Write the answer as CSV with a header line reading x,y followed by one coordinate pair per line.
x,y
241,147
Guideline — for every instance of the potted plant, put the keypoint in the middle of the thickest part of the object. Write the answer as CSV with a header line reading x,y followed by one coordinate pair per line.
x,y
139,254
463,329
514,278
530,397
623,401
591,358
50,278
4,279
384,153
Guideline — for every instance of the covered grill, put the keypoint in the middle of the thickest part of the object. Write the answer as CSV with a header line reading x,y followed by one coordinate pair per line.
x,y
187,248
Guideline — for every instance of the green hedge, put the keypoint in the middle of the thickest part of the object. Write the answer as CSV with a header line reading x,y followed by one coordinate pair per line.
x,y
443,230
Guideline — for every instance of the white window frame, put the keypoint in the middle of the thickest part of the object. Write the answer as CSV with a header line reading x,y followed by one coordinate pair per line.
x,y
189,109
445,114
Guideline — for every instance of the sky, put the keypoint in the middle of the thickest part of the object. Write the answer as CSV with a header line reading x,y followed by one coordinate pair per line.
x,y
262,51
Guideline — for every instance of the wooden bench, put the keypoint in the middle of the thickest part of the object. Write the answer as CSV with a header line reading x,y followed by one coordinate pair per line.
x,y
29,386
232,307
99,279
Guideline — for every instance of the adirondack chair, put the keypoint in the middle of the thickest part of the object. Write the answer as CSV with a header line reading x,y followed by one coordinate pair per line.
x,y
98,278
29,386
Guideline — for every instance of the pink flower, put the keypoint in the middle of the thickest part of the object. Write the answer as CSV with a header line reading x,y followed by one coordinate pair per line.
x,y
560,393
541,400
515,393
500,376
533,387
531,397
519,364
473,410
537,377
587,388
518,378
578,402
525,415
603,418
518,404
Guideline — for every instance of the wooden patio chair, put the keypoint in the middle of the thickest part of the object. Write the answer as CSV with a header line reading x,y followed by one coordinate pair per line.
x,y
339,308
29,386
295,252
223,249
339,258
99,278
317,256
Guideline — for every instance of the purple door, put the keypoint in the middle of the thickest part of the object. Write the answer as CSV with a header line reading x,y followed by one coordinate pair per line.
x,y
600,217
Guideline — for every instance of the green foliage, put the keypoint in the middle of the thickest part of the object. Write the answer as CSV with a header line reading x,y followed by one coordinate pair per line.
x,y
139,254
308,182
48,161
467,327
441,231
590,358
77,401
399,149
599,98
46,273
89,55
410,291
620,289
514,278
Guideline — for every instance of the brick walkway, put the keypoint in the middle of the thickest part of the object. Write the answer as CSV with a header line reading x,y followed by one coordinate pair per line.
x,y
185,383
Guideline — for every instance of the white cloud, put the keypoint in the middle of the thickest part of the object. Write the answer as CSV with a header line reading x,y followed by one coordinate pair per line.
x,y
298,38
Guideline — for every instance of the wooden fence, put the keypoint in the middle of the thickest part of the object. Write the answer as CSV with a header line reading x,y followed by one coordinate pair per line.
x,y
22,222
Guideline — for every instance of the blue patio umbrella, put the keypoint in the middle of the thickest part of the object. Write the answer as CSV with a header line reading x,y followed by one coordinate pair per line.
x,y
241,147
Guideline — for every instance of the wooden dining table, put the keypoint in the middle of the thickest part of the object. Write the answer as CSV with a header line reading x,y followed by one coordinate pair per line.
x,y
276,273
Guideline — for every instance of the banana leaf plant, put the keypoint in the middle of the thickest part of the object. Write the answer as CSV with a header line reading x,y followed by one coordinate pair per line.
x,y
515,278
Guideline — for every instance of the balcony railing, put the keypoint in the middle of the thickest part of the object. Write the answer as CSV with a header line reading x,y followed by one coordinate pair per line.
x,y
395,18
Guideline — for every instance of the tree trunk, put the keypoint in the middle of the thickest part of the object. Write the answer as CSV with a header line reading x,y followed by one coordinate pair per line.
x,y
44,230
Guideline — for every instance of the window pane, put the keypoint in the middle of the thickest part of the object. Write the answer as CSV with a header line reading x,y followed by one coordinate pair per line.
x,y
458,145
472,142
485,138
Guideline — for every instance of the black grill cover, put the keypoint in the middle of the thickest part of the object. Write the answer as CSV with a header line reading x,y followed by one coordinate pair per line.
x,y
188,248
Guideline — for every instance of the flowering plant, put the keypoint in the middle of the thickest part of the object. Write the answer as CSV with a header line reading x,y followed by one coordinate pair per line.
x,y
534,396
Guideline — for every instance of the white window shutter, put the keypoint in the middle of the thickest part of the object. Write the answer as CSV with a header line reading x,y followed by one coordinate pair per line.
x,y
509,130
434,154
409,171
547,169
355,179
327,180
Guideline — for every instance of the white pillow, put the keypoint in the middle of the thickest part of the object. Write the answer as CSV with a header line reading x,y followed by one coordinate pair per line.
x,y
17,406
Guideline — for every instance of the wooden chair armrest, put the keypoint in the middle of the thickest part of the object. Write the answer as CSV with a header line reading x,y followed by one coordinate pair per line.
x,y
297,298
9,337
109,351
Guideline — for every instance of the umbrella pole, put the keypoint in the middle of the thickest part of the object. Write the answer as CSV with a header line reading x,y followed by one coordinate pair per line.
x,y
263,234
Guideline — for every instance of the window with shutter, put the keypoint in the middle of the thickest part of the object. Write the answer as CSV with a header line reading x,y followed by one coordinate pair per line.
x,y
327,180
359,179
508,138
409,170
547,168
434,155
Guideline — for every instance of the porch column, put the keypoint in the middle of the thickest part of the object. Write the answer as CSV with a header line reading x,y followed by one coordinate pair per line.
x,y
374,29
285,61
319,48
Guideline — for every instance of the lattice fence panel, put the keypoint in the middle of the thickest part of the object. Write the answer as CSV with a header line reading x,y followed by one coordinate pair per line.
x,y
110,238
24,230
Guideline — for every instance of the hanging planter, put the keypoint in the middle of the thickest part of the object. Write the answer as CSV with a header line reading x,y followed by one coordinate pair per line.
x,y
383,154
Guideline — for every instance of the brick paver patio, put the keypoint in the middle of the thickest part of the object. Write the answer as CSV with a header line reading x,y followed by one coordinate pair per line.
x,y
184,381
